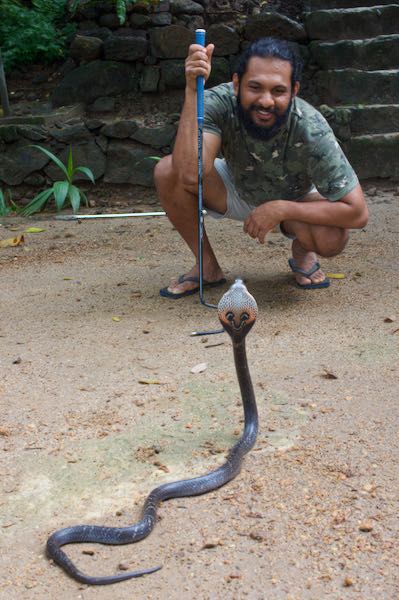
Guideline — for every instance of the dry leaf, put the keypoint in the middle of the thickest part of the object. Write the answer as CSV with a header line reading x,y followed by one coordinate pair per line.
x,y
200,368
329,375
18,240
149,381
389,319
116,319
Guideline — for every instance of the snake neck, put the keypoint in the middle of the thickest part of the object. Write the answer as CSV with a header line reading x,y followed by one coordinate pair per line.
x,y
247,391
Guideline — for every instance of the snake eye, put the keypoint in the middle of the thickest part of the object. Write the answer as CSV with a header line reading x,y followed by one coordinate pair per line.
x,y
230,316
244,317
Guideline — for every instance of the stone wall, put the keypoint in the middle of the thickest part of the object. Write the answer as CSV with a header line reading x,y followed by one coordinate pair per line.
x,y
141,63
147,54
121,151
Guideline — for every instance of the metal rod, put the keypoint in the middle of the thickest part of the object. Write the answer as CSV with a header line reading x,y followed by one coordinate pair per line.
x,y
200,39
3,90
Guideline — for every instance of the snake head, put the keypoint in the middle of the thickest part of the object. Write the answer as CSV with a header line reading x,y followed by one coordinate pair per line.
x,y
237,310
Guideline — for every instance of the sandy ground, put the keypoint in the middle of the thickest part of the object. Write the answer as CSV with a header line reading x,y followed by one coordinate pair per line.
x,y
99,405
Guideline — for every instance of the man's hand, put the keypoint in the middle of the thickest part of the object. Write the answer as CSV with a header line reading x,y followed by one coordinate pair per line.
x,y
263,219
198,62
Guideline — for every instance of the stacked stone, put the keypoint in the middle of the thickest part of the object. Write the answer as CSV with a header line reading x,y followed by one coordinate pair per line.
x,y
143,58
355,48
147,54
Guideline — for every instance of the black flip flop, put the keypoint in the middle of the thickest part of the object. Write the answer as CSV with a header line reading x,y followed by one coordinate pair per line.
x,y
308,286
165,293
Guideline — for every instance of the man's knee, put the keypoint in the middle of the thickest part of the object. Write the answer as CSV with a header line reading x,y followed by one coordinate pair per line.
x,y
163,172
329,241
166,178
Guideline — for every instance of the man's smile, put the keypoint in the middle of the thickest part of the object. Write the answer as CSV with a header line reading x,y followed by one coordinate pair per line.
x,y
264,116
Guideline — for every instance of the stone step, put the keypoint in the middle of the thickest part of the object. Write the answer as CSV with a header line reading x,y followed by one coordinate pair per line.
x,y
374,155
376,53
375,118
353,23
354,120
328,4
352,86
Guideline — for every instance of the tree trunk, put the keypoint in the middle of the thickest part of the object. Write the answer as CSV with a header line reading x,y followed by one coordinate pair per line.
x,y
3,90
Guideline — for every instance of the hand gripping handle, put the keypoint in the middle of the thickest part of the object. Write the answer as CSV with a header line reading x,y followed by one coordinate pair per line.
x,y
200,39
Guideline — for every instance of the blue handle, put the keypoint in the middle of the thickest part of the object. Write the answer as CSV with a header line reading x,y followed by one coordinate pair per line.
x,y
200,39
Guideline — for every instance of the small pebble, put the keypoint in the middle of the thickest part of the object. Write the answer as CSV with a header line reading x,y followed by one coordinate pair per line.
x,y
366,526
348,581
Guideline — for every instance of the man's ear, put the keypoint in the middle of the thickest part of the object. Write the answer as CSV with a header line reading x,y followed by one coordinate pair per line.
x,y
296,89
236,83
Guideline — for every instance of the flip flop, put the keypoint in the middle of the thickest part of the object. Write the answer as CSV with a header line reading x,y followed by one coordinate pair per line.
x,y
165,293
308,286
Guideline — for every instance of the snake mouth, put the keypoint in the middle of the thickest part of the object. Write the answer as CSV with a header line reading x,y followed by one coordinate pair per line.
x,y
237,310
231,319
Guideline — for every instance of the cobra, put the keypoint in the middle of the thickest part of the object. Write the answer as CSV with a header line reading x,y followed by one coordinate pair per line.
x,y
237,311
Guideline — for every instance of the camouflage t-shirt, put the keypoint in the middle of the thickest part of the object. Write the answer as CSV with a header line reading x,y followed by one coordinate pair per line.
x,y
303,153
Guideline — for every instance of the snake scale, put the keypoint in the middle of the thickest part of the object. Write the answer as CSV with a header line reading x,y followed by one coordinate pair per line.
x,y
237,311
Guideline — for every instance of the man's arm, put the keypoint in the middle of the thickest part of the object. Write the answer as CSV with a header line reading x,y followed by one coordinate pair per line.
x,y
349,212
185,151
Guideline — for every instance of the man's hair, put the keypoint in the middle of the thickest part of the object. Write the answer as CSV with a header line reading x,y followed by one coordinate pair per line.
x,y
269,47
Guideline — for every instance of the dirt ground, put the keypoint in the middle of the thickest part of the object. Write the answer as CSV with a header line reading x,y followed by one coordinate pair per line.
x,y
99,405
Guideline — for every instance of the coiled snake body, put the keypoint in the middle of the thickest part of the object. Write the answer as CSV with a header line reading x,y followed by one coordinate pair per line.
x,y
237,312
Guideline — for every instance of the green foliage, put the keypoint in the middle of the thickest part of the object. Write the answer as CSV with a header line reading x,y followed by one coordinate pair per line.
x,y
36,34
62,191
7,205
121,10
120,7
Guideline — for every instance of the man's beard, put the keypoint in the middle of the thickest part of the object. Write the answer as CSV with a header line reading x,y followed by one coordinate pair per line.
x,y
259,132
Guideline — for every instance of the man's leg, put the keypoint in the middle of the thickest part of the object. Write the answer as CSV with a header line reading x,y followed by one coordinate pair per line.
x,y
311,240
181,205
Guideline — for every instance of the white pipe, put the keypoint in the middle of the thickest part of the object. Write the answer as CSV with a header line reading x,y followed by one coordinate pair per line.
x,y
111,216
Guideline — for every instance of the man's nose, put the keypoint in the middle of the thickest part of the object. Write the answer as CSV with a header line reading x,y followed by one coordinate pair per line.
x,y
266,100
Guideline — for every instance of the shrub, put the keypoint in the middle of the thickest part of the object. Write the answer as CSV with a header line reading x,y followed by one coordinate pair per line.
x,y
36,34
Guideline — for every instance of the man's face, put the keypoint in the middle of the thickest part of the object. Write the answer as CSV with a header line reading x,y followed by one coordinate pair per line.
x,y
264,95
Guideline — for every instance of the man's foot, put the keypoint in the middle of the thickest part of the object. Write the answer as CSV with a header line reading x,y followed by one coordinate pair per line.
x,y
305,262
188,284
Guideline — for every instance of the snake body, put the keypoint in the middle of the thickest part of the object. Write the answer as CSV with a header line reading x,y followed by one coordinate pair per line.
x,y
237,311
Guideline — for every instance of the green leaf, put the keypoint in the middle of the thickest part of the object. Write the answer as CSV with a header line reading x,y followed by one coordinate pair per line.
x,y
60,193
37,204
4,209
86,171
70,165
156,158
121,10
74,197
84,197
52,157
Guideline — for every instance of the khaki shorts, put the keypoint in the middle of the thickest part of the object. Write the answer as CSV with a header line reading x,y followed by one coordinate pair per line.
x,y
237,208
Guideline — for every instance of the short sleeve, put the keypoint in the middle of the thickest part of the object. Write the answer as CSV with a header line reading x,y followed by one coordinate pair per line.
x,y
329,168
214,111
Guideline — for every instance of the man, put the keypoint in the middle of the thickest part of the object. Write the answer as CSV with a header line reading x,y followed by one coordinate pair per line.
x,y
281,166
